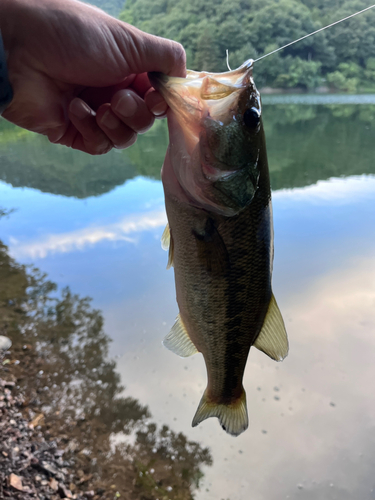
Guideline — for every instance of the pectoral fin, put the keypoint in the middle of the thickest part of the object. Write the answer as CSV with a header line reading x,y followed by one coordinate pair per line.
x,y
167,244
273,339
211,249
178,340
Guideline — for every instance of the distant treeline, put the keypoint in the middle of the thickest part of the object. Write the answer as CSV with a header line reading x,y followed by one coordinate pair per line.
x,y
342,56
305,143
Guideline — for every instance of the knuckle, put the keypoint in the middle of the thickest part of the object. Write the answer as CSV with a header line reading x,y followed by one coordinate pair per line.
x,y
100,149
126,143
180,54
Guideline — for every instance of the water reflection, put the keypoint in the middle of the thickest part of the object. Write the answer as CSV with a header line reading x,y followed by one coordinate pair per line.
x,y
310,143
27,159
312,418
125,230
60,358
324,139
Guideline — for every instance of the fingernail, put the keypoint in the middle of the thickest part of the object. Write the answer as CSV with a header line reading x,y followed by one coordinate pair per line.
x,y
127,105
159,109
109,120
79,109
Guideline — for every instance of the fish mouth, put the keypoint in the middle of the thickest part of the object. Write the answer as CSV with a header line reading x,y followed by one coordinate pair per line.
x,y
235,78
190,97
157,79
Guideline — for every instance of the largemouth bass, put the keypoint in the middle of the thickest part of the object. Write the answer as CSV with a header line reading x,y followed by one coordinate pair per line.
x,y
219,233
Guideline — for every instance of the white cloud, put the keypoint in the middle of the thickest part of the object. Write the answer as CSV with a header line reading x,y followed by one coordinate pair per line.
x,y
332,190
89,236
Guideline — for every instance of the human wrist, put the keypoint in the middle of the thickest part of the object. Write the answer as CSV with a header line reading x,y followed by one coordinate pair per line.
x,y
8,10
6,92
7,16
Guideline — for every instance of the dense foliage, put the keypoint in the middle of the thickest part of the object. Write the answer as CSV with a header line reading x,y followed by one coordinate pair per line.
x,y
342,56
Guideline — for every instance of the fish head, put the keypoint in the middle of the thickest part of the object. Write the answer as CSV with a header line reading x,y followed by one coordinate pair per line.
x,y
216,136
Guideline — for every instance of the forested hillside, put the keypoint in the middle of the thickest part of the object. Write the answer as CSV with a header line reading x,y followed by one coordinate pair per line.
x,y
342,56
113,7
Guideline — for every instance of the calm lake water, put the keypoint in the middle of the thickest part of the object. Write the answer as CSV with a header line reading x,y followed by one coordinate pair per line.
x,y
94,225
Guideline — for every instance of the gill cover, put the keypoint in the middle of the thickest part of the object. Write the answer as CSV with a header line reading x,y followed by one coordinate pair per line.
x,y
216,136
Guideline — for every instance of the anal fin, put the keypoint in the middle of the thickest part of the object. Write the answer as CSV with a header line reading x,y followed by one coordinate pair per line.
x,y
273,339
178,340
167,244
233,418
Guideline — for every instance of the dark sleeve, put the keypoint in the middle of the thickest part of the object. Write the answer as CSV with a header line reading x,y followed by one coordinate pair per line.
x,y
6,93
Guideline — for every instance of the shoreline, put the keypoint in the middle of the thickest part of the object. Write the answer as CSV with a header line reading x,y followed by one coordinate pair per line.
x,y
324,90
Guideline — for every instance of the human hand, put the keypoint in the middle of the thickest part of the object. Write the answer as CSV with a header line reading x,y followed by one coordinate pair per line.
x,y
79,76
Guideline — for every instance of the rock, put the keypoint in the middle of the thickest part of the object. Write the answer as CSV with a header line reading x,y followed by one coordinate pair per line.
x,y
49,468
37,420
54,485
64,492
85,478
5,343
16,482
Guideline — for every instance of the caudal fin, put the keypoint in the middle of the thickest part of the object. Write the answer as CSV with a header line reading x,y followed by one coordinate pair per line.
x,y
233,417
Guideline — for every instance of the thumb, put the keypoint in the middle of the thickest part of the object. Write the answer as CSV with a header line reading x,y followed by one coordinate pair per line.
x,y
144,52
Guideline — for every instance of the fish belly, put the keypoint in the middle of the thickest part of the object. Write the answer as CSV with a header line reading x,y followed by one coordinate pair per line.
x,y
223,283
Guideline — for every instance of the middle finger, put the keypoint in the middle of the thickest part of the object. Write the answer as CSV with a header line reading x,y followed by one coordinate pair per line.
x,y
132,110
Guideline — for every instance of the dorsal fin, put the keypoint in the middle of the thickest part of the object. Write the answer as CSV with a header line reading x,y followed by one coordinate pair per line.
x,y
273,339
178,340
167,244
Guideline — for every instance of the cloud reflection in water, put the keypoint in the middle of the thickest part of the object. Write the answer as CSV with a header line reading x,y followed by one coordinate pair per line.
x,y
89,236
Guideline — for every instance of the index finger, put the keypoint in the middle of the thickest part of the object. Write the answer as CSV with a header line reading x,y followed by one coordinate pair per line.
x,y
141,84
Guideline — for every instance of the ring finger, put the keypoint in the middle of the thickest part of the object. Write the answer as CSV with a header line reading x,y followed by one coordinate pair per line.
x,y
118,133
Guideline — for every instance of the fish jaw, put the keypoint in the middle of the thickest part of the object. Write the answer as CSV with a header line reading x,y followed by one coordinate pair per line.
x,y
213,154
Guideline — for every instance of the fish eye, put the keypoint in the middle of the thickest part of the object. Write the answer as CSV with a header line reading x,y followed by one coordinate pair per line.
x,y
251,118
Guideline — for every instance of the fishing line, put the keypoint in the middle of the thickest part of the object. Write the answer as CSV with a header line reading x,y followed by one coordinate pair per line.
x,y
227,51
310,34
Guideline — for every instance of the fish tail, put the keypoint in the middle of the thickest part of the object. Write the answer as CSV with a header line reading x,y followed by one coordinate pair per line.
x,y
233,417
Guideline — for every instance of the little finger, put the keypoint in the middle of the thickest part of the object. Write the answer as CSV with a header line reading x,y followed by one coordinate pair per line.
x,y
90,137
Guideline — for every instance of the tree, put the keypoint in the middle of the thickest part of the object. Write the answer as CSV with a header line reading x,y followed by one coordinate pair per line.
x,y
251,28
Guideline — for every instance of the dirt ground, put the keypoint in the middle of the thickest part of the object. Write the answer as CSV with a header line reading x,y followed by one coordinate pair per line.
x,y
33,464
